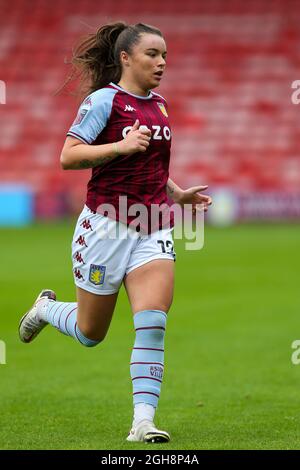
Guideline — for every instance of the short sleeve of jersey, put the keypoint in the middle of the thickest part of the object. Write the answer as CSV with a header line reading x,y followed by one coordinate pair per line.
x,y
93,115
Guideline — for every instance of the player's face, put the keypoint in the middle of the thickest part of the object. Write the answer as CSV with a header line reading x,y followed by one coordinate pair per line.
x,y
148,61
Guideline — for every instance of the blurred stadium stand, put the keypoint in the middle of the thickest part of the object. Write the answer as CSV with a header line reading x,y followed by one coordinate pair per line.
x,y
228,84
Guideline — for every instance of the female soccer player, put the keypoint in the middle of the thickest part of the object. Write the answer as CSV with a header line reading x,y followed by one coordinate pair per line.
x,y
121,132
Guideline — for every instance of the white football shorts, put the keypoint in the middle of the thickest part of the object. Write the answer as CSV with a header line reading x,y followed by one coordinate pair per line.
x,y
105,250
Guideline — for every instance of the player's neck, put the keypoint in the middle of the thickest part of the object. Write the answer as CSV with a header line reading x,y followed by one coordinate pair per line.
x,y
132,88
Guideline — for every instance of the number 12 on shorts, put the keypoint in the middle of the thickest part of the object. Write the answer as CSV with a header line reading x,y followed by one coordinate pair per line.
x,y
167,247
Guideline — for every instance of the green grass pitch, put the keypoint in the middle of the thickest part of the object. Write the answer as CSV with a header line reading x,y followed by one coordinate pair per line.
x,y
229,380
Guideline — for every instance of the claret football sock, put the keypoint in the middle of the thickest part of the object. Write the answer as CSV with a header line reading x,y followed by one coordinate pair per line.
x,y
63,316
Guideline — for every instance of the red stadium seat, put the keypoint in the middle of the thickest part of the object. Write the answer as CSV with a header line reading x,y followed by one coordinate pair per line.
x,y
228,85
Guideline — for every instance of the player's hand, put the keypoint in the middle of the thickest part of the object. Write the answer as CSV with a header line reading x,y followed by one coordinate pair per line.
x,y
192,196
137,140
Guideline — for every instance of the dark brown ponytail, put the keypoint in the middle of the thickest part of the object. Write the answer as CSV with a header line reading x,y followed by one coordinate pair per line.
x,y
96,59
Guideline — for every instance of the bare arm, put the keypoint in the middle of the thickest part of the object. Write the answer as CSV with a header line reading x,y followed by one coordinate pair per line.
x,y
173,191
188,196
76,155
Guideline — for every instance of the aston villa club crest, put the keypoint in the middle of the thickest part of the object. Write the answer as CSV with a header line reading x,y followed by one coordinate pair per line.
x,y
97,274
163,109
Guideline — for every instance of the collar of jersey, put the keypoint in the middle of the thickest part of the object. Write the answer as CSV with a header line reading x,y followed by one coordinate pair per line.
x,y
131,94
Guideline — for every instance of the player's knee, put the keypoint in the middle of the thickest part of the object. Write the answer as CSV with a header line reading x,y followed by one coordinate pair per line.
x,y
160,306
90,338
